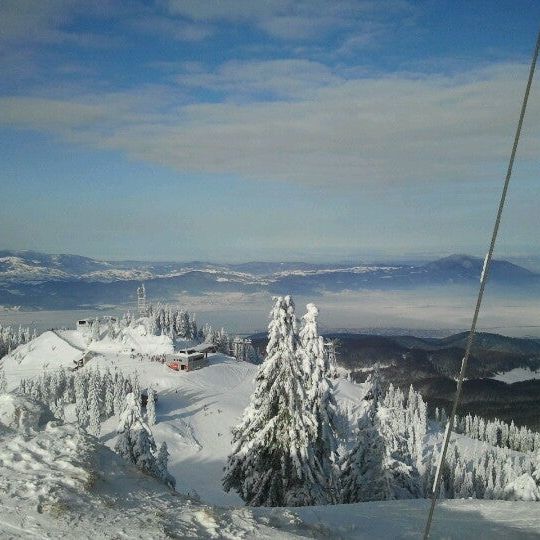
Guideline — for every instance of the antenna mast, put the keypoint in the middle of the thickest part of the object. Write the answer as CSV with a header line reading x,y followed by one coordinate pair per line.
x,y
141,300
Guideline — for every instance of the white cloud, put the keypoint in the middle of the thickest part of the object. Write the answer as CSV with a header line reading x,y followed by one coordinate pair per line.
x,y
328,131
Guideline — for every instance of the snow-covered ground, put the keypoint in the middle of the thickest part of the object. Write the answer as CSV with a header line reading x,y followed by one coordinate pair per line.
x,y
517,375
58,482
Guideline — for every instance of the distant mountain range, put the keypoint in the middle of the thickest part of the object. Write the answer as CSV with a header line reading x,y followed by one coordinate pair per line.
x,y
36,280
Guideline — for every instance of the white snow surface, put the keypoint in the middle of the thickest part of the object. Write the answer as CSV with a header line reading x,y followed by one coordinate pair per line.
x,y
58,482
517,375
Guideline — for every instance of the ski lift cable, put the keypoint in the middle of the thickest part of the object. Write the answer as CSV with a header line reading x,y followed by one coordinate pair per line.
x,y
483,279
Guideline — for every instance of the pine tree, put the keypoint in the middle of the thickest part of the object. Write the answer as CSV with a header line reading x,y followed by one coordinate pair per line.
x,y
81,404
118,393
321,400
3,382
151,407
108,398
144,449
94,405
489,490
95,330
536,468
363,474
183,330
130,423
59,411
162,466
136,444
404,479
60,384
273,462
69,388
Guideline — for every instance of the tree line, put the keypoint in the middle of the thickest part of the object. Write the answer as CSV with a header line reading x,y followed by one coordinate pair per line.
x,y
495,432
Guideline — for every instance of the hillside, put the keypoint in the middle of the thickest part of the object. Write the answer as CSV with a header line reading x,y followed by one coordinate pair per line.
x,y
59,482
503,377
195,410
62,483
195,413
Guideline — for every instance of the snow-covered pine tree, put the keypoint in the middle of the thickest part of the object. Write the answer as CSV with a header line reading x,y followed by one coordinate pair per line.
x,y
273,462
144,449
81,403
130,421
193,331
403,476
108,397
136,386
363,473
3,381
162,462
69,388
536,468
59,410
46,387
151,407
136,443
60,384
94,405
118,392
223,342
207,333
95,330
183,330
321,400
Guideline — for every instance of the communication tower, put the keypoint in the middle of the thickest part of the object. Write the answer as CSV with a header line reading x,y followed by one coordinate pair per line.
x,y
141,300
330,357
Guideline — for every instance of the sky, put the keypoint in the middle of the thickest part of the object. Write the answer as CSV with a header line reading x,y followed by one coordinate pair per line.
x,y
317,130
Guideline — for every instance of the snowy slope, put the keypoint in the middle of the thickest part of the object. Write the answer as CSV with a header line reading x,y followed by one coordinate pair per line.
x,y
47,351
59,482
195,410
195,413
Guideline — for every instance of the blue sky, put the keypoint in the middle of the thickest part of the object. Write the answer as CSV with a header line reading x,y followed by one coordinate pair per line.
x,y
240,130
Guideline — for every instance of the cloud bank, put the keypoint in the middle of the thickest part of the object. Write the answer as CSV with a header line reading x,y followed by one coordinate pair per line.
x,y
300,121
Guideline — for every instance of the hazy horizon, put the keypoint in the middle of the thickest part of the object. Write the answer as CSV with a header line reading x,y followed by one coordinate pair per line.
x,y
530,261
445,310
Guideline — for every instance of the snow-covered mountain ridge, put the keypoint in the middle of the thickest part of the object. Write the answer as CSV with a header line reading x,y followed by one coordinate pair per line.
x,y
34,267
39,281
